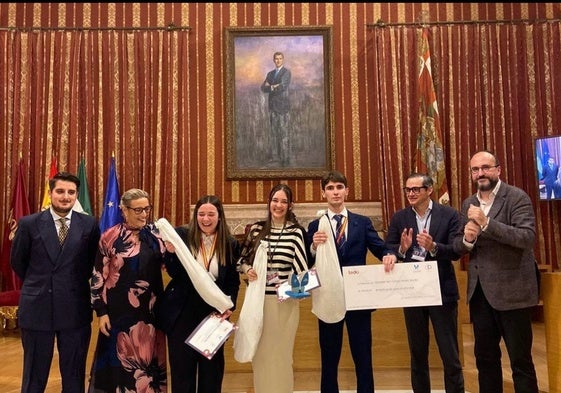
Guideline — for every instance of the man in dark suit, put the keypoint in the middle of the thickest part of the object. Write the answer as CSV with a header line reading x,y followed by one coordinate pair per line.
x,y
549,177
500,234
54,260
355,239
426,231
276,84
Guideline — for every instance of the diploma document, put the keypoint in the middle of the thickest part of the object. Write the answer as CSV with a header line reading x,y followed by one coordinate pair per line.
x,y
209,336
409,284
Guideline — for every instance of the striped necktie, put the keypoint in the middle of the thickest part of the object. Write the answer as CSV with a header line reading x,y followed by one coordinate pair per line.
x,y
339,230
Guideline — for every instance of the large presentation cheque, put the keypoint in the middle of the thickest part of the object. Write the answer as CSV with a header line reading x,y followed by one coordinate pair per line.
x,y
409,284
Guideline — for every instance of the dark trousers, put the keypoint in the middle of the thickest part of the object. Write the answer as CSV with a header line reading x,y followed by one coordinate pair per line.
x,y
280,137
190,371
38,349
515,327
360,341
444,321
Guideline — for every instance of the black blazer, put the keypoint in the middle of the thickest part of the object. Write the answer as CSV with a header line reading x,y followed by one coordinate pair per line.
x,y
55,293
181,293
444,227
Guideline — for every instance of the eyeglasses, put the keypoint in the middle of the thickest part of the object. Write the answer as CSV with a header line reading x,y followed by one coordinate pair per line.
x,y
139,210
414,190
485,168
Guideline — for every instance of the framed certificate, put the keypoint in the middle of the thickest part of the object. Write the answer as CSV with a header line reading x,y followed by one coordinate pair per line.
x,y
210,335
409,284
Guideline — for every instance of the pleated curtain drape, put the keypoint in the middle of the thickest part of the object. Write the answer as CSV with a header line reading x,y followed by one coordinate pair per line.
x,y
68,94
497,87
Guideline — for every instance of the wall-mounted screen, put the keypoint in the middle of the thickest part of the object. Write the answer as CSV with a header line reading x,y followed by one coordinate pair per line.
x,y
548,158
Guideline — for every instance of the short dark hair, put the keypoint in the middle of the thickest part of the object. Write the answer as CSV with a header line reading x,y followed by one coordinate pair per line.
x,y
63,176
427,180
334,176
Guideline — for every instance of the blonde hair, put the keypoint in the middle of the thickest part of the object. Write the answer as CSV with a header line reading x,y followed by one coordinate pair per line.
x,y
132,195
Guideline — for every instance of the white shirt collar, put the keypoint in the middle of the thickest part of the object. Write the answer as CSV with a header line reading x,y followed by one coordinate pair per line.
x,y
492,194
429,208
56,216
343,212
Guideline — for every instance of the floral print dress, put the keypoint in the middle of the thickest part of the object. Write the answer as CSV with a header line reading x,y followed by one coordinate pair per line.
x,y
127,277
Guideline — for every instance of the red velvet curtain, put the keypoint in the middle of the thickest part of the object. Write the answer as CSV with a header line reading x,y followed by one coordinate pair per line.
x,y
497,88
93,93
68,94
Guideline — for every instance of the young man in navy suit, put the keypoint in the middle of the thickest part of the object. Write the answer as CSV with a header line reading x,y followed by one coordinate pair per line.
x,y
53,253
357,238
425,230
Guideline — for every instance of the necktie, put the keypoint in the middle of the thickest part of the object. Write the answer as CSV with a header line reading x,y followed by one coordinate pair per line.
x,y
339,230
63,230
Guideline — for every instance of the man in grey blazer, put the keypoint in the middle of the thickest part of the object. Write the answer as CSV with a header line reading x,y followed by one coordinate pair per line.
x,y
499,234
425,231
54,260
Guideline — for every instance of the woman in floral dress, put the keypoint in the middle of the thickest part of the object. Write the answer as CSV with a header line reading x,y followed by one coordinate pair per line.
x,y
131,353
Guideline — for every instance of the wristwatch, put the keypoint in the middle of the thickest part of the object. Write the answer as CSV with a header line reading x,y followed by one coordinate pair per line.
x,y
434,249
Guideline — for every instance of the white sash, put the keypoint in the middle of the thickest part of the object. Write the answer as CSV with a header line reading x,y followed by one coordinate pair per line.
x,y
328,301
203,283
250,321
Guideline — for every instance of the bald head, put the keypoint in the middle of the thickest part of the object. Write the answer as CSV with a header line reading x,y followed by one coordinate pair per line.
x,y
485,170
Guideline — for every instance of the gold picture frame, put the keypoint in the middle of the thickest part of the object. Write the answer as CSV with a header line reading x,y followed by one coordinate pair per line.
x,y
266,138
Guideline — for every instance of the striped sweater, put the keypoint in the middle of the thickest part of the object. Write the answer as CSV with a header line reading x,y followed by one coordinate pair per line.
x,y
286,252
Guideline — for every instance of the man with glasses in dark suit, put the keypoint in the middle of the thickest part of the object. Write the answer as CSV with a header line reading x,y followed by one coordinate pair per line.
x,y
425,231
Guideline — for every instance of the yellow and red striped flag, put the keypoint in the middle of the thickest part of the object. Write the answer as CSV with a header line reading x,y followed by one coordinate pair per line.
x,y
430,152
46,198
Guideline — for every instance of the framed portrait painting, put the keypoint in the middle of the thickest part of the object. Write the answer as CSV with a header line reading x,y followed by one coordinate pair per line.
x,y
279,112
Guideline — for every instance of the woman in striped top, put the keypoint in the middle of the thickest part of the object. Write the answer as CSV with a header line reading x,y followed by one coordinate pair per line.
x,y
284,240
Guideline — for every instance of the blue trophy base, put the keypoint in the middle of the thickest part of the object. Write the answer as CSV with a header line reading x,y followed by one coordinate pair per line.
x,y
297,295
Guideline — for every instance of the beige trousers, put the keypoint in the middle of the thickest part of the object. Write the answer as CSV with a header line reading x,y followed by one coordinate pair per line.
x,y
272,363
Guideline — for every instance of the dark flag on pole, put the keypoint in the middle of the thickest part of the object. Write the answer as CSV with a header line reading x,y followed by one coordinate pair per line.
x,y
430,152
20,208
111,214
